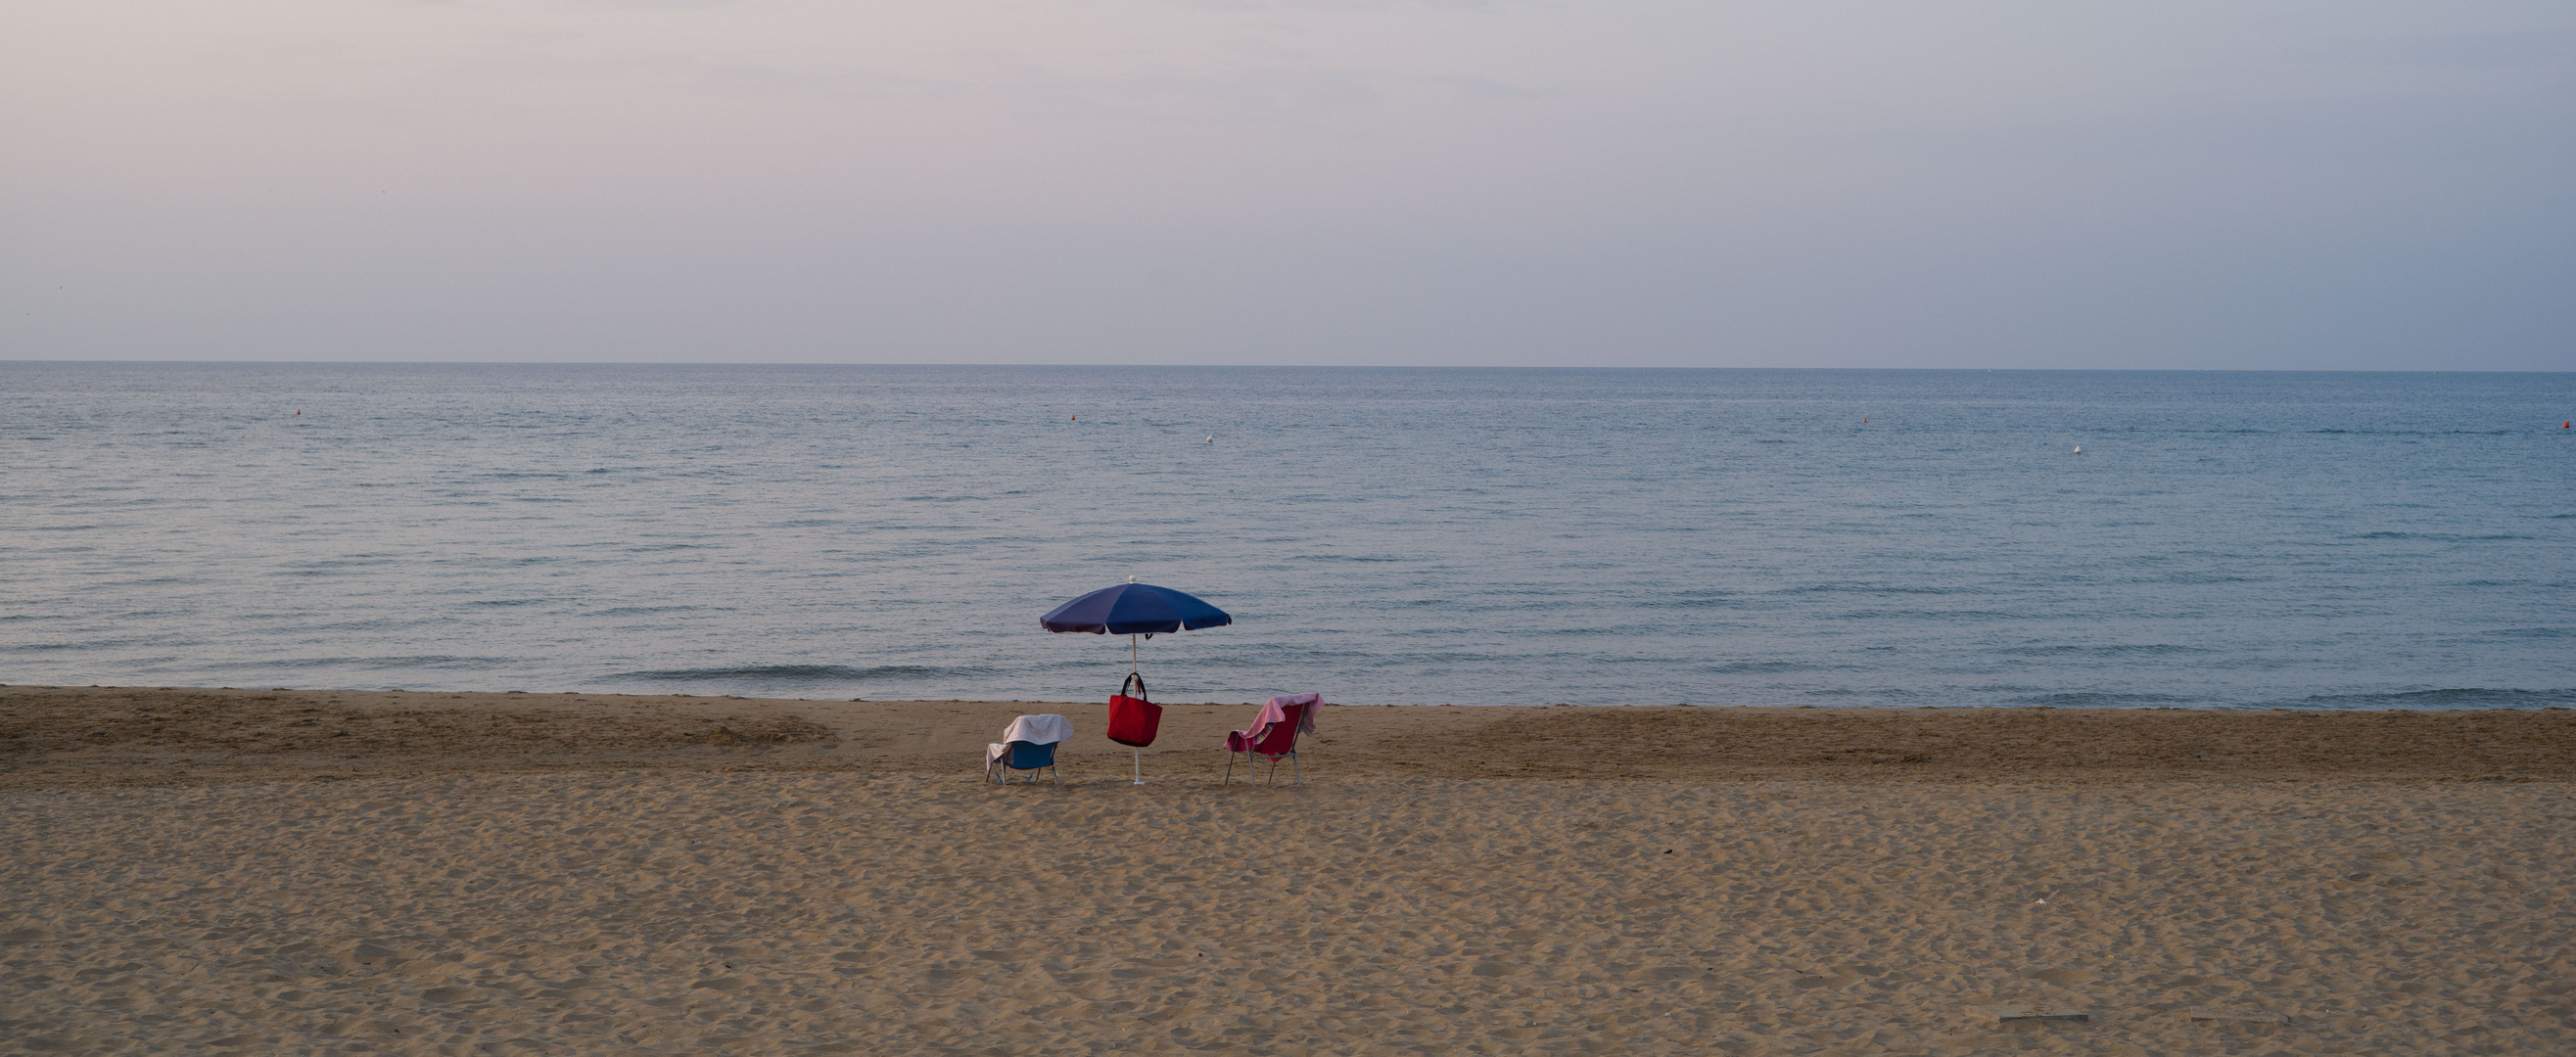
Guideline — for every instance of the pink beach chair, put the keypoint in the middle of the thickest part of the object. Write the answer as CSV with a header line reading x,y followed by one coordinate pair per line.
x,y
1273,736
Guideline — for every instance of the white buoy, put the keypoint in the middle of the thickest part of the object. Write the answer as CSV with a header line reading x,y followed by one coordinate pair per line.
x,y
1211,438
2079,449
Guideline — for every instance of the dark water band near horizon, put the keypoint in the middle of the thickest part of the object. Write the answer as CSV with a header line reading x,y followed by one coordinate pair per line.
x,y
1402,536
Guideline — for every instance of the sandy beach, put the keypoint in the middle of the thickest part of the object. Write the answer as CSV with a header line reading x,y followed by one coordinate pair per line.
x,y
291,871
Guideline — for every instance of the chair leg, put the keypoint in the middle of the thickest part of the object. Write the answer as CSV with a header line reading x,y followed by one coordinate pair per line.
x,y
1229,768
1293,772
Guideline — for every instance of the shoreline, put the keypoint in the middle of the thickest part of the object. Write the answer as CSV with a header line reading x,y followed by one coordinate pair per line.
x,y
77,736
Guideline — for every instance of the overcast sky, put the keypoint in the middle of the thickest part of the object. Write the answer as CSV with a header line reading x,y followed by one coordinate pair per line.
x,y
1922,184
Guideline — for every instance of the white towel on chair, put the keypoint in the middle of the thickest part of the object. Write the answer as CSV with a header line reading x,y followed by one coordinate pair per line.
x,y
1036,730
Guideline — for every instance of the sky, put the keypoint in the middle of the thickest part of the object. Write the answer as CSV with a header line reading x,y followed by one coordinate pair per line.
x,y
2177,185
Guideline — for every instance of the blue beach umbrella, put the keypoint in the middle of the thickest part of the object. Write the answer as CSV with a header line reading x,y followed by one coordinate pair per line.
x,y
1133,609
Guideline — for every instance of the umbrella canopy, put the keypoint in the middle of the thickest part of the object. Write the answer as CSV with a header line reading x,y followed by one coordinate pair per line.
x,y
1134,609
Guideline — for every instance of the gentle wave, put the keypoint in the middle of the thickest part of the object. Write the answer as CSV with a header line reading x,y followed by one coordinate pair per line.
x,y
2102,699
800,673
432,661
655,611
2458,697
1879,589
1760,667
2161,649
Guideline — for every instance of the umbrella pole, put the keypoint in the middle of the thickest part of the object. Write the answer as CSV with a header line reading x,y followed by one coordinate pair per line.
x,y
1136,755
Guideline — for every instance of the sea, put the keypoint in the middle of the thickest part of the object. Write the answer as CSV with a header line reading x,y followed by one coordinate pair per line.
x,y
2232,540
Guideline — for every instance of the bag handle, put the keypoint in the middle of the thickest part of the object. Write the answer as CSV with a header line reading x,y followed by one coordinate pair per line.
x,y
1137,680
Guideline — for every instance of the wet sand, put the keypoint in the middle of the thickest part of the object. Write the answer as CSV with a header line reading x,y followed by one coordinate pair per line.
x,y
282,871
63,737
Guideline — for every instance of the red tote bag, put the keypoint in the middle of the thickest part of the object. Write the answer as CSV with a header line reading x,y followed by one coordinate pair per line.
x,y
1133,720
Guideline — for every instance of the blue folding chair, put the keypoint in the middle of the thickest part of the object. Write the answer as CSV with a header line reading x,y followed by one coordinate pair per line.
x,y
1023,754
1026,756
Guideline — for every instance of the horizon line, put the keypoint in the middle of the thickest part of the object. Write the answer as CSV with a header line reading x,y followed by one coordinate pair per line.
x,y
1271,366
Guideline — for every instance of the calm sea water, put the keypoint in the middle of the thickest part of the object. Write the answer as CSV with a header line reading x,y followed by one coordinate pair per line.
x,y
2227,540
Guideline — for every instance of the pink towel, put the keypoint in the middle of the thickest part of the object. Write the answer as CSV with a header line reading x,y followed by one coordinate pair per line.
x,y
1305,720
1275,710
